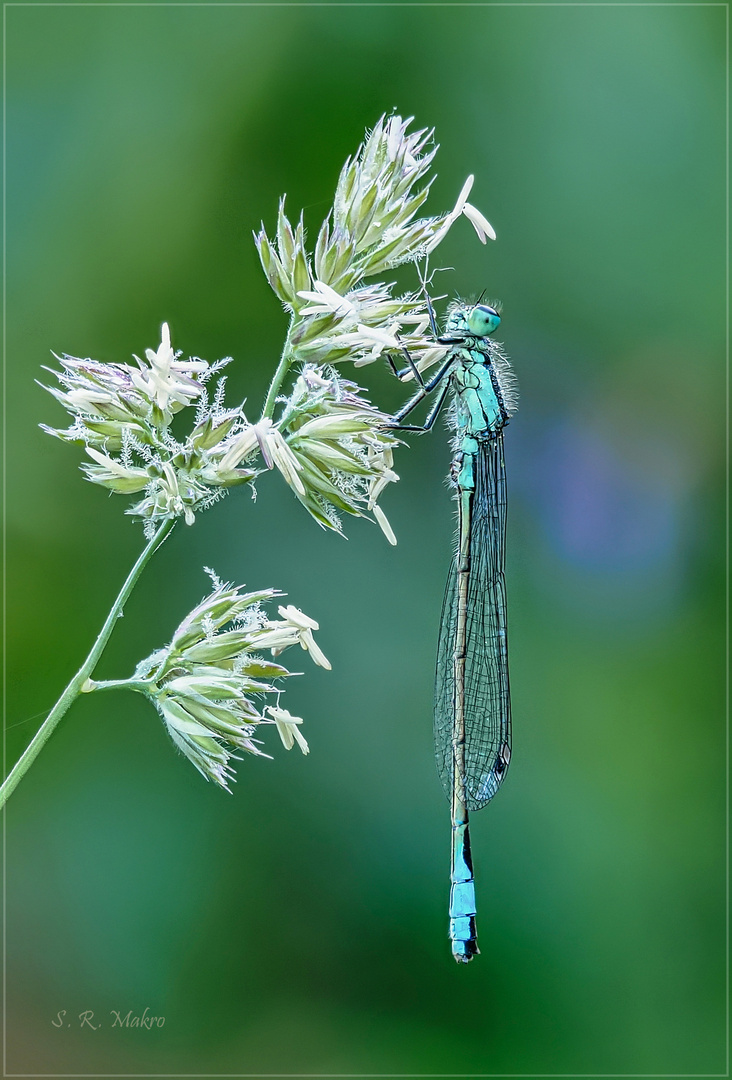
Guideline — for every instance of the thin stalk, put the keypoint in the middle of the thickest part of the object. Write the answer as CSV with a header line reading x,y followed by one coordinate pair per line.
x,y
142,686
76,686
278,378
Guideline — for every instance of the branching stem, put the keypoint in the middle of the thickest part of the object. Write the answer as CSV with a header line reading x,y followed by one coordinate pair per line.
x,y
278,378
142,686
76,686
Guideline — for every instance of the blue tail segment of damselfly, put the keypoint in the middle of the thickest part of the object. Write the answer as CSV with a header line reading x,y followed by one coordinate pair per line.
x,y
472,722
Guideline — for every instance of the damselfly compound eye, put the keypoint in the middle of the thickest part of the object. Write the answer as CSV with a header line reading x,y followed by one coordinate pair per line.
x,y
483,320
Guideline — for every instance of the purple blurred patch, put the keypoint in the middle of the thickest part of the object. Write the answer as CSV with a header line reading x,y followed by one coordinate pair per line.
x,y
617,510
603,512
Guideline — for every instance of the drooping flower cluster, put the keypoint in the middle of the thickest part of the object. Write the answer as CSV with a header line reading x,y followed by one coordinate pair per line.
x,y
342,452
122,415
206,682
330,444
372,228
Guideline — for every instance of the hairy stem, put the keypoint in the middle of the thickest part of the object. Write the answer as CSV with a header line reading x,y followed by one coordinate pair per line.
x,y
76,686
279,377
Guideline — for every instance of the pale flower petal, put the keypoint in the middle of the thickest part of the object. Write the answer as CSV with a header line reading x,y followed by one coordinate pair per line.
x,y
382,521
108,462
244,445
285,461
165,380
327,299
288,728
297,618
296,629
317,655
462,198
277,637
481,224
382,337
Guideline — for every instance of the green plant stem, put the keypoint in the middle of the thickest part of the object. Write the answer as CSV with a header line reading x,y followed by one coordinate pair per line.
x,y
76,685
278,378
142,686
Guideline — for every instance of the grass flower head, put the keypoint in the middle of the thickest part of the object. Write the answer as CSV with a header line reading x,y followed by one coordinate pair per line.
x,y
207,684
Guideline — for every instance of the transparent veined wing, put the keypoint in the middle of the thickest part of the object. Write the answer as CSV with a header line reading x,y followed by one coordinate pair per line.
x,y
487,697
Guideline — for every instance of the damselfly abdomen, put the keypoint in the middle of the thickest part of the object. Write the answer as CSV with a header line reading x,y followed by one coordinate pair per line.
x,y
472,722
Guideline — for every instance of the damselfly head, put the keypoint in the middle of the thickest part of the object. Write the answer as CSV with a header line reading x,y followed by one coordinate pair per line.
x,y
482,320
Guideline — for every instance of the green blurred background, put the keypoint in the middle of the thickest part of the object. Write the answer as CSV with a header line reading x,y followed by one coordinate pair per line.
x,y
300,925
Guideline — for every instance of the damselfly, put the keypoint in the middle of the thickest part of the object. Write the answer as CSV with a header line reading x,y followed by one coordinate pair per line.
x,y
472,723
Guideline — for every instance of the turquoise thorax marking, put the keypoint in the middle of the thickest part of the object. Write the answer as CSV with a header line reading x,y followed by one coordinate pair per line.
x,y
478,410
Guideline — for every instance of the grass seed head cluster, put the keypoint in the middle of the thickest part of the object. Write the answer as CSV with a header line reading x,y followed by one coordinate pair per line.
x,y
329,443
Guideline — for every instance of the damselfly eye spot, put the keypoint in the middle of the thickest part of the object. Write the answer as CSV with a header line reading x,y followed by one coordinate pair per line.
x,y
483,320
